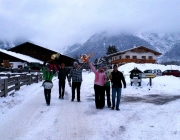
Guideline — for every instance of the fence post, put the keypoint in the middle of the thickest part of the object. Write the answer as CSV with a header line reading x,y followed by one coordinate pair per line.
x,y
41,77
150,81
30,79
18,83
5,87
37,78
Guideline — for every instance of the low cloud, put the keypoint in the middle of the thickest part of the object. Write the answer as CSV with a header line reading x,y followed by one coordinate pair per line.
x,y
58,23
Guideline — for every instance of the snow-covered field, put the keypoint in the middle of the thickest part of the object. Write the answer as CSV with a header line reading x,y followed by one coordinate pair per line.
x,y
146,113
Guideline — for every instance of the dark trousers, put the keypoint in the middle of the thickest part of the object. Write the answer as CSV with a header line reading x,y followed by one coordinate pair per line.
x,y
99,96
61,88
76,85
47,94
107,91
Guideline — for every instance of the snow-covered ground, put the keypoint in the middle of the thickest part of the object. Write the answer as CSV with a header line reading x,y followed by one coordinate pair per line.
x,y
146,113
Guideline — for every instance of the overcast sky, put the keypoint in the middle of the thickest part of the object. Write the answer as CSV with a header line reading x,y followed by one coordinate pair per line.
x,y
59,23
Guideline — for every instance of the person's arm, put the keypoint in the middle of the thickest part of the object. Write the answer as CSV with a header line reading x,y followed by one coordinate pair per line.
x,y
44,69
54,70
70,76
67,74
92,67
123,80
57,64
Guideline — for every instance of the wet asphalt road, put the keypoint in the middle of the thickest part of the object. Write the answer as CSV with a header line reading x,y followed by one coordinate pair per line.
x,y
154,99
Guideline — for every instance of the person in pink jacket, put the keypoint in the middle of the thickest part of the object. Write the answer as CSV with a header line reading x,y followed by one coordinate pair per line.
x,y
100,80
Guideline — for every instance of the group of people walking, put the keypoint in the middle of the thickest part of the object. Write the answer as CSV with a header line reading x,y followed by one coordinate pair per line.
x,y
101,83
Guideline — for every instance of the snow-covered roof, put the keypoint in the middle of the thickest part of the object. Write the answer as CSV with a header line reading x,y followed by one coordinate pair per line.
x,y
122,52
21,56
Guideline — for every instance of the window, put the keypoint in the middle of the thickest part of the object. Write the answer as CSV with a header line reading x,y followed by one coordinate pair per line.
x,y
127,56
150,57
134,57
20,66
143,57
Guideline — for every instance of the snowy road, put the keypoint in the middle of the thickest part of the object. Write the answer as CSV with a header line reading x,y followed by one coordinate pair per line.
x,y
28,117
34,120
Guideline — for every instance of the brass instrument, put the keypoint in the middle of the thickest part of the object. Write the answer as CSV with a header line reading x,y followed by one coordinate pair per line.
x,y
54,56
84,59
108,74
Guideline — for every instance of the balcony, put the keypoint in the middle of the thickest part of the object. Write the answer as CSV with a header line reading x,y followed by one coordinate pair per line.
x,y
126,60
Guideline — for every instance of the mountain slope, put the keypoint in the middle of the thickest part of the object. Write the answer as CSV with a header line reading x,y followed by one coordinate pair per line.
x,y
98,44
172,55
162,42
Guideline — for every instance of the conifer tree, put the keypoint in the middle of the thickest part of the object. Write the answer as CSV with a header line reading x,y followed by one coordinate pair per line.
x,y
111,49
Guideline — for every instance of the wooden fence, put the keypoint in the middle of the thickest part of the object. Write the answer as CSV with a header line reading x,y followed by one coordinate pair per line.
x,y
14,83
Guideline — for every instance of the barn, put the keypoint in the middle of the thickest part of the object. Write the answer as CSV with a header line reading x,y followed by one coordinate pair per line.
x,y
41,53
10,59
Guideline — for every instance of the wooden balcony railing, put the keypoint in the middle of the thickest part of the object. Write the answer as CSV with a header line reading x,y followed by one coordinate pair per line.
x,y
126,60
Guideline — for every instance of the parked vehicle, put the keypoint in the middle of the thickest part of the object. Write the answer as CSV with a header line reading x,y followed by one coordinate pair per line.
x,y
171,72
148,71
148,74
157,72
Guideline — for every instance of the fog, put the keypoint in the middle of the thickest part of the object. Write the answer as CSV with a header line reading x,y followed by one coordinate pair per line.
x,y
60,23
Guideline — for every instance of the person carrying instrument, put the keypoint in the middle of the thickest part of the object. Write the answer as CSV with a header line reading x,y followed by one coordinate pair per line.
x,y
100,80
47,84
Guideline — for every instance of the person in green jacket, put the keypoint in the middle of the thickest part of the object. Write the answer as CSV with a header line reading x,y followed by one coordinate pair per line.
x,y
107,85
47,84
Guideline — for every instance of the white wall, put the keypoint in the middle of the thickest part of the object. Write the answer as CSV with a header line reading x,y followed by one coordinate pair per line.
x,y
139,55
15,64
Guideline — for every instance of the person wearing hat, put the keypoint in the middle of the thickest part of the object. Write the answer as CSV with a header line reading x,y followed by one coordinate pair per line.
x,y
76,76
47,84
100,80
116,82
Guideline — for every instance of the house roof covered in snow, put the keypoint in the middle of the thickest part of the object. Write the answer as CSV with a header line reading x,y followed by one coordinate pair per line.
x,y
21,56
135,48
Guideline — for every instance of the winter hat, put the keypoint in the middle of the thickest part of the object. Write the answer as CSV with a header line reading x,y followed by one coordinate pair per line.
x,y
75,63
100,65
105,67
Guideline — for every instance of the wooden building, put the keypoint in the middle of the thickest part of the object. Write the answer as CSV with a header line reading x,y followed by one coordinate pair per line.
x,y
10,59
41,53
138,54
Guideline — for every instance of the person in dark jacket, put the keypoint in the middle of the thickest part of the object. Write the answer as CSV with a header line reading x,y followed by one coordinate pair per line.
x,y
47,84
62,74
117,78
76,76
